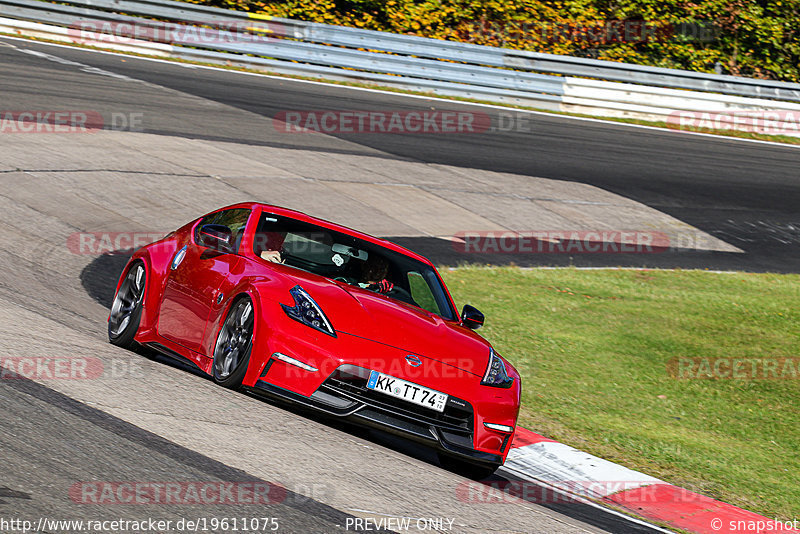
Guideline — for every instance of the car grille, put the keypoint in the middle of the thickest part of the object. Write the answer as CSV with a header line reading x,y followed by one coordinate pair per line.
x,y
455,422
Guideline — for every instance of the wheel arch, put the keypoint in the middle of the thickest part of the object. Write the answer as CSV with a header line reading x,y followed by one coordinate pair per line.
x,y
156,258
265,307
259,353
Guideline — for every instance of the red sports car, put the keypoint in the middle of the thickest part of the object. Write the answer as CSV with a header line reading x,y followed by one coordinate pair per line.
x,y
302,309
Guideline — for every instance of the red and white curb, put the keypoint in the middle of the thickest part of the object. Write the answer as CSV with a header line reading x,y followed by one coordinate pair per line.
x,y
587,478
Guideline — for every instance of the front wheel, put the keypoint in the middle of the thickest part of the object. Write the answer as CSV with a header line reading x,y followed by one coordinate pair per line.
x,y
126,311
234,343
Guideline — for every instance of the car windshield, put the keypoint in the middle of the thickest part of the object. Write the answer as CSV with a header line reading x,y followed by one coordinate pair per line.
x,y
351,260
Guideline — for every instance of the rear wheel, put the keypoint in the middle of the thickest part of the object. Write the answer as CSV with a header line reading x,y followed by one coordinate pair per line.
x,y
466,468
126,310
234,342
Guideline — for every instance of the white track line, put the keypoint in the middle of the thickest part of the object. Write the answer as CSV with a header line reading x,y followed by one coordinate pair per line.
x,y
578,498
568,267
381,91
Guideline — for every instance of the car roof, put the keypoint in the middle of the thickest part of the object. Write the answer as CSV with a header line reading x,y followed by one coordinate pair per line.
x,y
299,215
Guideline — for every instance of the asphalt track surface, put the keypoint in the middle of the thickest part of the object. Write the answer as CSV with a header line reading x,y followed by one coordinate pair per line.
x,y
746,194
147,419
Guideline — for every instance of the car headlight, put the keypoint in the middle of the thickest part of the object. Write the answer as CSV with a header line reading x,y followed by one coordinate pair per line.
x,y
308,312
496,375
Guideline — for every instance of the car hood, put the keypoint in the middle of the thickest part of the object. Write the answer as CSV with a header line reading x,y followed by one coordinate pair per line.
x,y
358,312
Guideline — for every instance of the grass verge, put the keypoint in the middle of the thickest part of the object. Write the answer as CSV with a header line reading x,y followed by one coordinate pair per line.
x,y
593,348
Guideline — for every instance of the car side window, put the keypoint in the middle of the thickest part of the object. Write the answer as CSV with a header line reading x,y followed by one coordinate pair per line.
x,y
208,219
421,292
234,219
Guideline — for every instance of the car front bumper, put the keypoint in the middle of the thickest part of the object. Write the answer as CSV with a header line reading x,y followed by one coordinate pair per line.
x,y
344,395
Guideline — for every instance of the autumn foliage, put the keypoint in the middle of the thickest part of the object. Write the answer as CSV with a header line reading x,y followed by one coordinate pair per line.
x,y
742,37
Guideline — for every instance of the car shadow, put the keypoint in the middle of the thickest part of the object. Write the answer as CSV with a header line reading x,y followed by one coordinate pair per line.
x,y
444,253
99,278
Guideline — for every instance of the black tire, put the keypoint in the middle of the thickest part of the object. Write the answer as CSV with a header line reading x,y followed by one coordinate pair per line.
x,y
126,309
234,343
466,468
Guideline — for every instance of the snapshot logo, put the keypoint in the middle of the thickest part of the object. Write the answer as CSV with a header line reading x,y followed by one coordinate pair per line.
x,y
175,492
699,368
207,32
765,122
50,368
755,525
382,121
99,243
561,242
49,122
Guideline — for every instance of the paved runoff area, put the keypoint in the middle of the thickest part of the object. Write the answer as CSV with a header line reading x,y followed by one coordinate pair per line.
x,y
95,433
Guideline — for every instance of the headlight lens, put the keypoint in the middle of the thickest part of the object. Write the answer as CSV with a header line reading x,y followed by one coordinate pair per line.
x,y
496,375
308,312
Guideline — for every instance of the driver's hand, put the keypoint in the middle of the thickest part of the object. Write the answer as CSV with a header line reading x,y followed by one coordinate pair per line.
x,y
384,286
272,255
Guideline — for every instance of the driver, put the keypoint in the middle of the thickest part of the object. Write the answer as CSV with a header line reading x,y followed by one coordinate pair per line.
x,y
374,271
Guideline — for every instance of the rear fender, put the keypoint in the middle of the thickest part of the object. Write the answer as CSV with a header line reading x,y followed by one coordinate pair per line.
x,y
156,258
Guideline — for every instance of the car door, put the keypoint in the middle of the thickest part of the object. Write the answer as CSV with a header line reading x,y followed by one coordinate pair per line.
x,y
195,279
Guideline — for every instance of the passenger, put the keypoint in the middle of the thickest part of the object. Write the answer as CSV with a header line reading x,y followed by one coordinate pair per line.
x,y
270,245
272,255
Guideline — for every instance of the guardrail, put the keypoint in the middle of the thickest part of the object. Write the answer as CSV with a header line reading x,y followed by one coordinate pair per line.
x,y
543,81
448,50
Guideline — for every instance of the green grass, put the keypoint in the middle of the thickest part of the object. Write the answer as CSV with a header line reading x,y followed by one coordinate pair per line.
x,y
593,348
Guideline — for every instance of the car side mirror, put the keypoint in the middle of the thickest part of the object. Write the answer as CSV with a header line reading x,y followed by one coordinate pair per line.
x,y
216,236
471,317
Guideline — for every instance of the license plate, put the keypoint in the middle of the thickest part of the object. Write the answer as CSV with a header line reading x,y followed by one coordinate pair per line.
x,y
408,391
